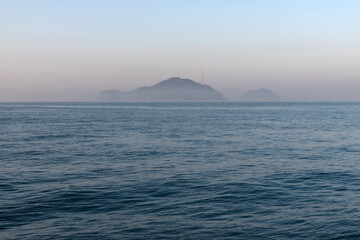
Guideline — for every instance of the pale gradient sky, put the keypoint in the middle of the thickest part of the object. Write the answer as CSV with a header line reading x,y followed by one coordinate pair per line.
x,y
69,50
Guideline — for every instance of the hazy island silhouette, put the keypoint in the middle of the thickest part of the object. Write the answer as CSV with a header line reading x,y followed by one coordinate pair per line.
x,y
181,89
172,89
260,95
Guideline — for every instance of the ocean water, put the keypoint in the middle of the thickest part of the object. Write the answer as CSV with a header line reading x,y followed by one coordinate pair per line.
x,y
179,170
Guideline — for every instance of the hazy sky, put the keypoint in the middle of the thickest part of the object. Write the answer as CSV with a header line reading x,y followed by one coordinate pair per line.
x,y
72,49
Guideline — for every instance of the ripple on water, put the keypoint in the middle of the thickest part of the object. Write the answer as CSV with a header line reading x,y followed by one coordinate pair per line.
x,y
179,170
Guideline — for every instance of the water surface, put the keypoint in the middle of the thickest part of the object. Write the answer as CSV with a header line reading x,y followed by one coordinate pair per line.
x,y
179,170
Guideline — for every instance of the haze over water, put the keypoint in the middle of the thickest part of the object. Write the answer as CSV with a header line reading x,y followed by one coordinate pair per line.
x,y
75,168
179,171
71,50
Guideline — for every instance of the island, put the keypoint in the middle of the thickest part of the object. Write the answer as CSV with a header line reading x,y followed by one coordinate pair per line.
x,y
172,89
260,95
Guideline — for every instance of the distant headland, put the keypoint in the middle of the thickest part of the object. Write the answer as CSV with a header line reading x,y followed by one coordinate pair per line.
x,y
172,89
260,95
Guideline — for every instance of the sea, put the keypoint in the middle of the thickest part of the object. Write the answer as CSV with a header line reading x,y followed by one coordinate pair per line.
x,y
180,170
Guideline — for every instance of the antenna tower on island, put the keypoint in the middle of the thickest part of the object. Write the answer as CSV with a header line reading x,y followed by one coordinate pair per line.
x,y
202,81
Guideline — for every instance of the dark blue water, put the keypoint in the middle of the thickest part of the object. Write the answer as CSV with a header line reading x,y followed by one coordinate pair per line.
x,y
180,171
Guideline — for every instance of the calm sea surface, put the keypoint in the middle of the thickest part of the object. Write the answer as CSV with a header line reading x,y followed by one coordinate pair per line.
x,y
180,170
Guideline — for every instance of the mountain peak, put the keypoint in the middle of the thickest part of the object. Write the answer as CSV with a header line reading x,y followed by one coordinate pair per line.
x,y
177,82
172,89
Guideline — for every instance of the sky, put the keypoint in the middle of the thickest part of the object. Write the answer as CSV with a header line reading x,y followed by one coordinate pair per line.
x,y
66,50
